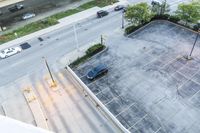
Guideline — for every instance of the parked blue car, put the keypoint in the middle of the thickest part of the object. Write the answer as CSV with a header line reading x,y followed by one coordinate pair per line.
x,y
97,71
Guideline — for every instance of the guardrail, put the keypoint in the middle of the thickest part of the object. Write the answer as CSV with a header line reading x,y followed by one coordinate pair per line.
x,y
96,101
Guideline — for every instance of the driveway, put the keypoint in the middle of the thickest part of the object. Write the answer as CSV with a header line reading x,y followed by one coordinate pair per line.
x,y
150,86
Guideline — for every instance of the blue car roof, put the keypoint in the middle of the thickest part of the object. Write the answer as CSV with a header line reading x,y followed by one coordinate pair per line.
x,y
100,67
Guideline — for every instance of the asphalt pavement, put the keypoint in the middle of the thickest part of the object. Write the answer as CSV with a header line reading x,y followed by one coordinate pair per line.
x,y
55,45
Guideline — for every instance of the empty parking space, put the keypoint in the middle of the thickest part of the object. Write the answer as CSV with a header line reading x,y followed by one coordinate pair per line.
x,y
150,86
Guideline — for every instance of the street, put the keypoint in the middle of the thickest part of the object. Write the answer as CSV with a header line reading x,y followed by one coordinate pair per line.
x,y
58,43
55,45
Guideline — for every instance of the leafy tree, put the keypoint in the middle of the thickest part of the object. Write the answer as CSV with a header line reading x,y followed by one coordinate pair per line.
x,y
160,9
189,12
138,14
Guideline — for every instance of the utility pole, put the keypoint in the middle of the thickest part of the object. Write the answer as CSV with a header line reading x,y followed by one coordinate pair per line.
x,y
52,79
102,40
76,38
123,19
189,57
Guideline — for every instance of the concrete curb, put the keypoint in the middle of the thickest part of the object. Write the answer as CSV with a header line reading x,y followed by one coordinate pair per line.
x,y
77,81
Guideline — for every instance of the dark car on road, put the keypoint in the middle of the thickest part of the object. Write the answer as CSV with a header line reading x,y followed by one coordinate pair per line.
x,y
101,13
16,7
119,7
97,71
25,46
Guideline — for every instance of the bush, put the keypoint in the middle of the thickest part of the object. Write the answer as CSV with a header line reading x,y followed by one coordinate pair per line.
x,y
163,16
89,53
133,28
196,27
130,29
174,19
95,49
79,60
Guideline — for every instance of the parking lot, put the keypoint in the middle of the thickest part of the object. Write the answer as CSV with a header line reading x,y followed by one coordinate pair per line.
x,y
150,86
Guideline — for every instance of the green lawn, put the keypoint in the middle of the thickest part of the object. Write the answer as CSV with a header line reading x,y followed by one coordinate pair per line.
x,y
52,20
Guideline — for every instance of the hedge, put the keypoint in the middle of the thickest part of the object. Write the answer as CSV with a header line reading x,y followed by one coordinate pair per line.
x,y
95,49
174,19
89,53
164,16
133,28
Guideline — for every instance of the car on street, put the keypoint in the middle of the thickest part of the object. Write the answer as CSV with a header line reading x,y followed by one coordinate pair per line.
x,y
97,71
102,13
119,7
28,16
9,52
25,45
17,7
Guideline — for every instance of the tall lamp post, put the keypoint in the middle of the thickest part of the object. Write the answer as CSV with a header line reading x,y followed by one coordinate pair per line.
x,y
189,57
52,79
123,11
76,38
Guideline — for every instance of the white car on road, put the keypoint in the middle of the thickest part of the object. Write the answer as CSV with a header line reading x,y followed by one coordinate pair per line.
x,y
9,52
28,15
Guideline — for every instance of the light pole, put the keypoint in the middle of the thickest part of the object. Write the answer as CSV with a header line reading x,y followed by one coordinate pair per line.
x,y
76,38
123,19
52,79
189,57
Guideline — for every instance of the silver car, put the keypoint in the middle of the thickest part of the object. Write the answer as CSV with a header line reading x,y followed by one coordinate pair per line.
x,y
9,52
28,16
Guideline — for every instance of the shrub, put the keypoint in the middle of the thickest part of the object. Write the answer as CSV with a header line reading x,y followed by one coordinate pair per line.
x,y
90,52
130,29
196,27
163,16
79,60
174,19
95,49
133,28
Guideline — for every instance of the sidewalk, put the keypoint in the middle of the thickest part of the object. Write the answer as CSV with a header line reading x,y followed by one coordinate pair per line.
x,y
81,16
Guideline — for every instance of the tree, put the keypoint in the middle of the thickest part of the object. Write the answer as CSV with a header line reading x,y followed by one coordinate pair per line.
x,y
160,8
138,14
189,12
